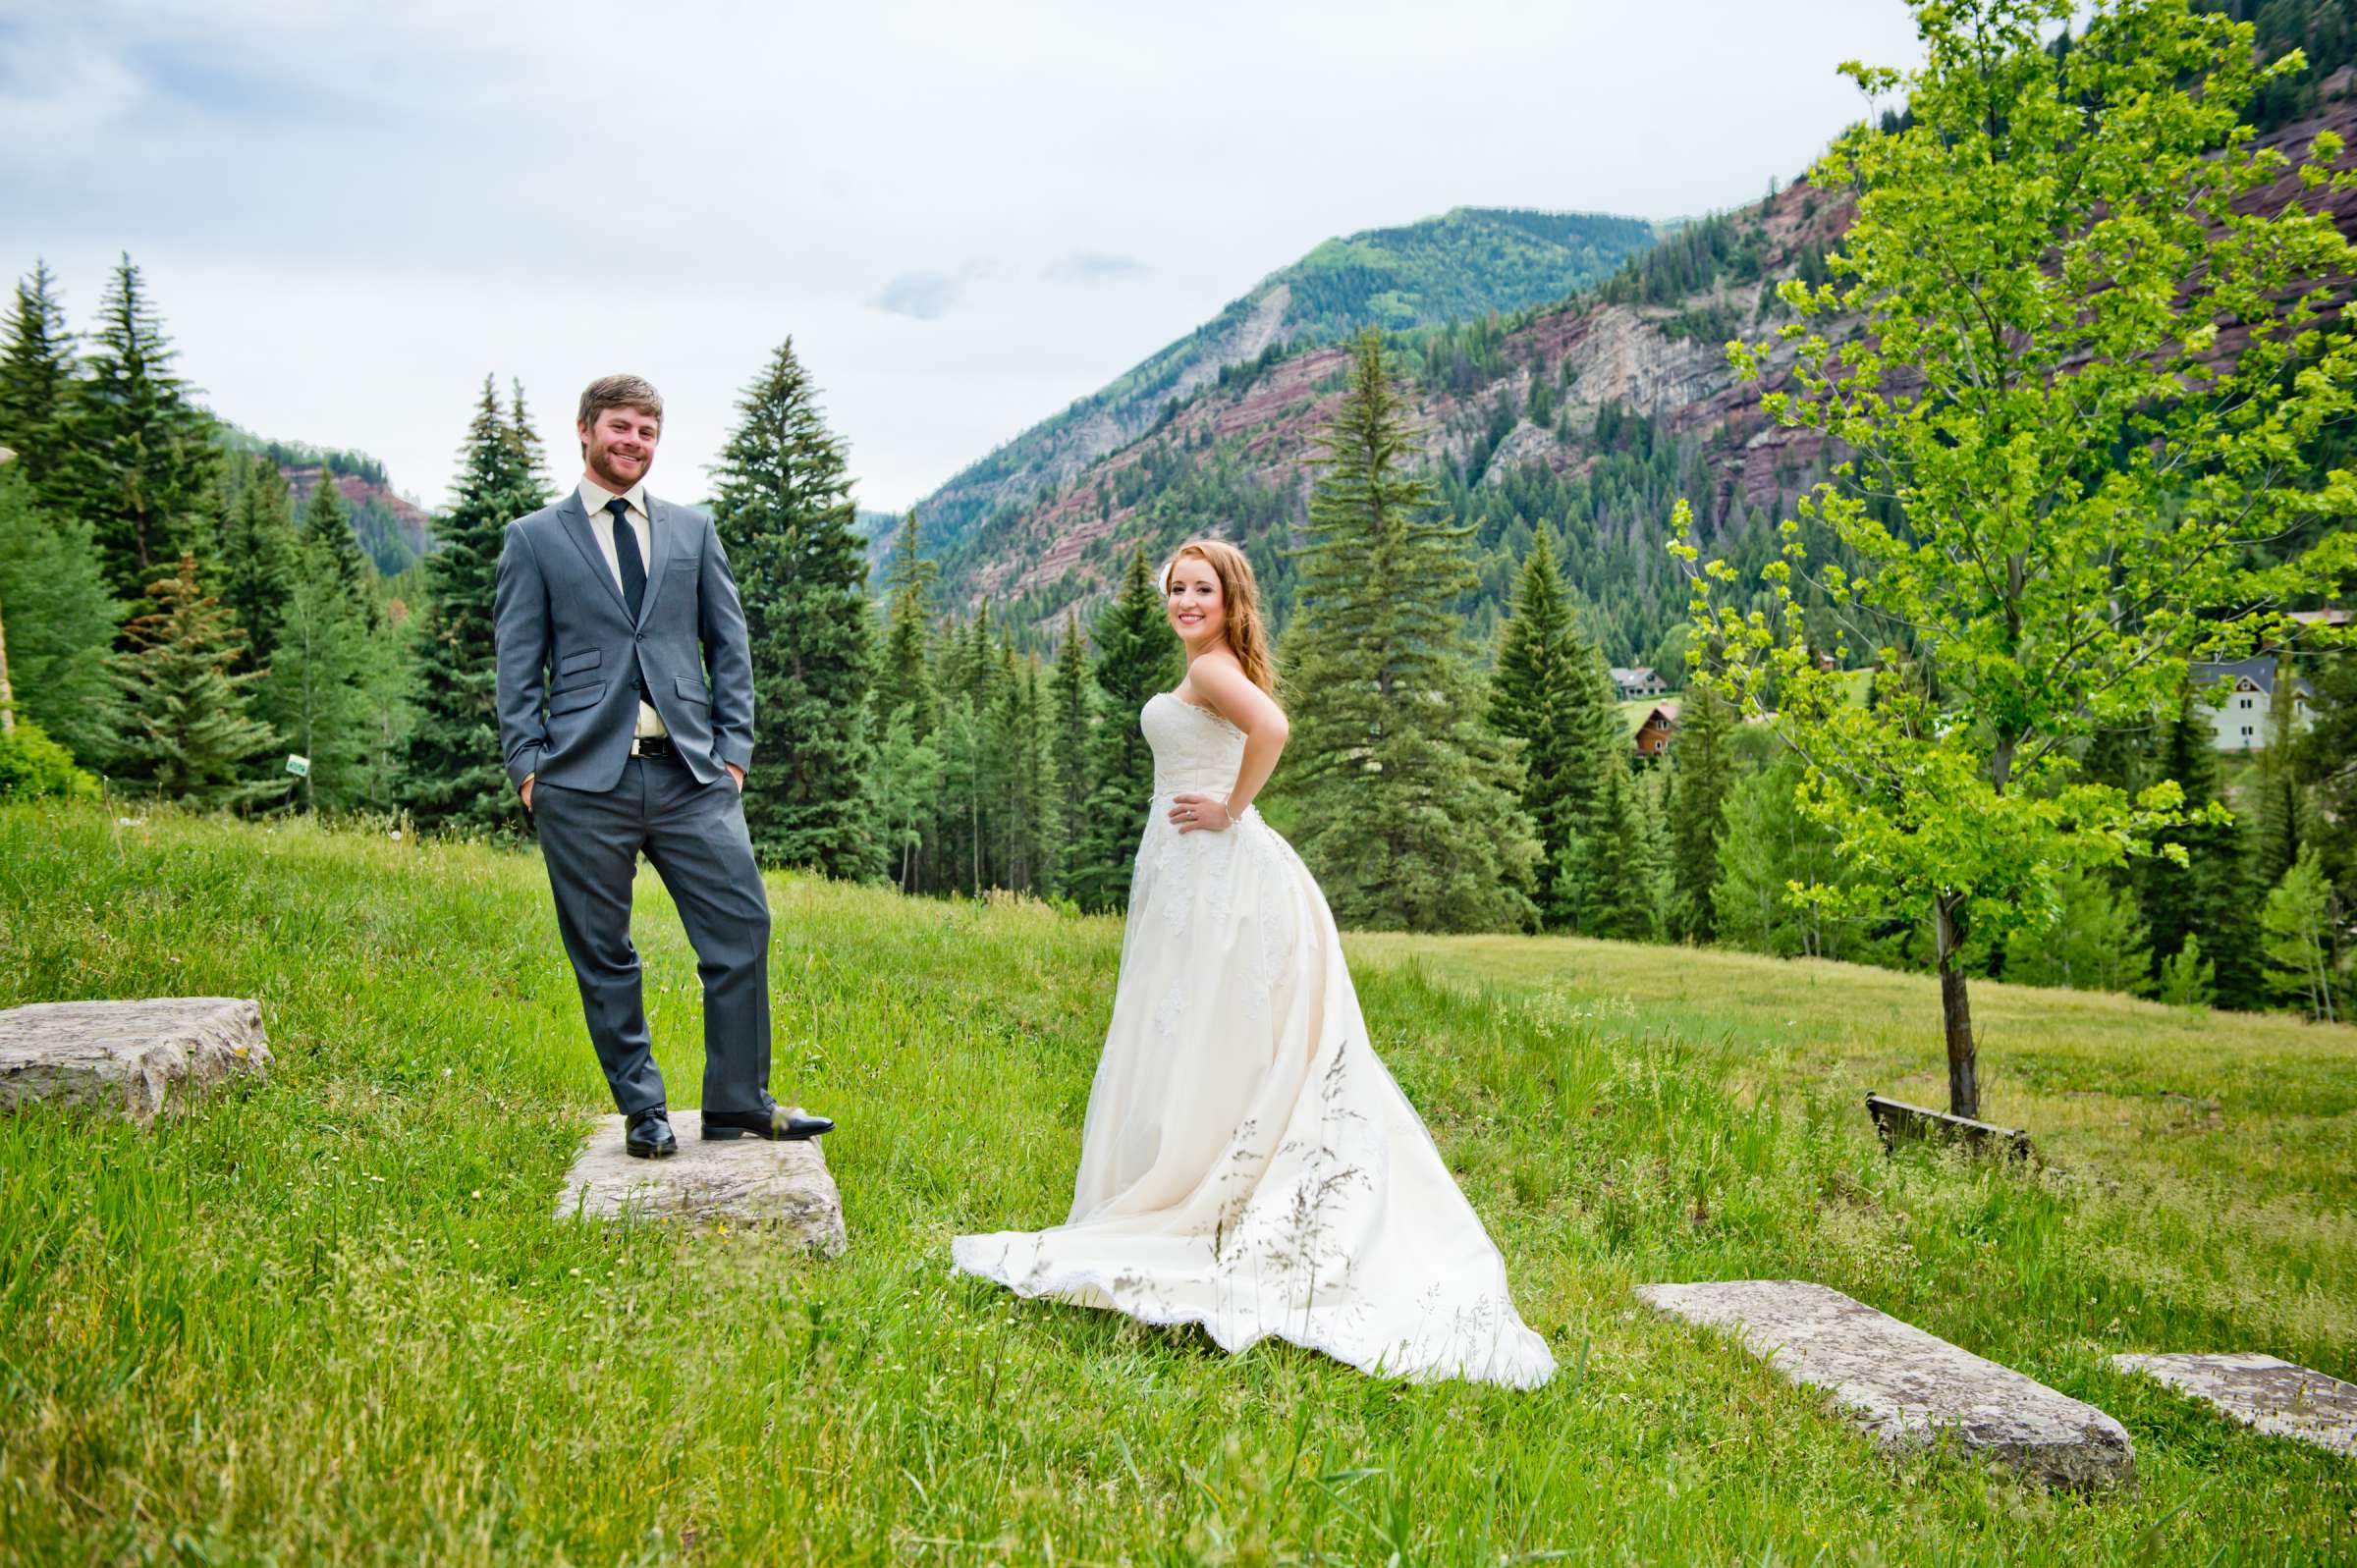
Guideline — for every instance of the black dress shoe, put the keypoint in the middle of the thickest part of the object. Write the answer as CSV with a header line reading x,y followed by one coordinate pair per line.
x,y
774,1122
647,1135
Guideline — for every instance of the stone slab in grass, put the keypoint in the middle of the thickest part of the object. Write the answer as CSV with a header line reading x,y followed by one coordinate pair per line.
x,y
1908,1388
751,1182
2263,1393
139,1058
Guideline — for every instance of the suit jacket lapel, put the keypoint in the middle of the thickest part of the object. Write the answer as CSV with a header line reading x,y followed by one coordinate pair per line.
x,y
577,527
662,529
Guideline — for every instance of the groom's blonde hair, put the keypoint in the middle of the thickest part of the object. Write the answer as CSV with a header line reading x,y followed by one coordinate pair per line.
x,y
1239,596
619,392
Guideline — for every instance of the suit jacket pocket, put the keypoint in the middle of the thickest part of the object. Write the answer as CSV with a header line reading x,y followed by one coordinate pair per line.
x,y
692,690
578,697
684,564
575,663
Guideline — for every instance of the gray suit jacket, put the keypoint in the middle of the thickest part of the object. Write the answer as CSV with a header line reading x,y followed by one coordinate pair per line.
x,y
570,655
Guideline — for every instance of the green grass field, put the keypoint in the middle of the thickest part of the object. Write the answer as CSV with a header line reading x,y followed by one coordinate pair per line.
x,y
330,1319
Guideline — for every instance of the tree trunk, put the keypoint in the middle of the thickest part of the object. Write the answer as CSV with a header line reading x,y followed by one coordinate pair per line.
x,y
1963,1075
8,695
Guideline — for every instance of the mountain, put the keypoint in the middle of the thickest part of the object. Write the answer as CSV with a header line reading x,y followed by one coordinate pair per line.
x,y
1589,417
394,530
1465,264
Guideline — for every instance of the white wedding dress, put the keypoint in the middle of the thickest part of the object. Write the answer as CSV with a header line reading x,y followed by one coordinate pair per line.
x,y
1248,1163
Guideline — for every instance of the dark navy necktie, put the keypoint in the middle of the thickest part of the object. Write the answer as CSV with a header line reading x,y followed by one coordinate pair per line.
x,y
625,552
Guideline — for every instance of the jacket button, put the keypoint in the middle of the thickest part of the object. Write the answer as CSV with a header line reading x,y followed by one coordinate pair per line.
x,y
637,636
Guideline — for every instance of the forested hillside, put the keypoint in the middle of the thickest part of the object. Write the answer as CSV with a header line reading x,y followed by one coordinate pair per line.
x,y
1459,266
1586,418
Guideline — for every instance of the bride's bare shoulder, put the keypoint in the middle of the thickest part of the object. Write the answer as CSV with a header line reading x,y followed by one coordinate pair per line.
x,y
1220,685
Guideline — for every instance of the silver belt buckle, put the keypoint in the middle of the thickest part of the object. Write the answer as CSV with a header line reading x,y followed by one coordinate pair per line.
x,y
634,739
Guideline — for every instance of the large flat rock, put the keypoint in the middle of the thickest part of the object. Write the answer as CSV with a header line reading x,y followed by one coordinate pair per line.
x,y
2263,1393
751,1182
1906,1387
140,1058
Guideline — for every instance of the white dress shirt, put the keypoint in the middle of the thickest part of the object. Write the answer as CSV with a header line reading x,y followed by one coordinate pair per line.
x,y
594,500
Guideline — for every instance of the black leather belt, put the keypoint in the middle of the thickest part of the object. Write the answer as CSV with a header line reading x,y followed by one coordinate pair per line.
x,y
652,746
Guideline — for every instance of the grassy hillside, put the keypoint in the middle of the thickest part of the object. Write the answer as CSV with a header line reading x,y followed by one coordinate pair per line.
x,y
329,1319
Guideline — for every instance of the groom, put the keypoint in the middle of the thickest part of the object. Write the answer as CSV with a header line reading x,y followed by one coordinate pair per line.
x,y
612,608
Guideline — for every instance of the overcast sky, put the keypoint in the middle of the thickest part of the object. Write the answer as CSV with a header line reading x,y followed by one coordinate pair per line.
x,y
965,215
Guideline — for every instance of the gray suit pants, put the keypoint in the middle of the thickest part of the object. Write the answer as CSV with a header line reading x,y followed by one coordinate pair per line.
x,y
694,836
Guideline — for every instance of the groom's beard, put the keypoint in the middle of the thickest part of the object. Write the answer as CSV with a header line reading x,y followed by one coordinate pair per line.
x,y
601,463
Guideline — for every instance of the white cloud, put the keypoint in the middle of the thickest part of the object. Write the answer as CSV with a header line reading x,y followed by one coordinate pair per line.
x,y
350,212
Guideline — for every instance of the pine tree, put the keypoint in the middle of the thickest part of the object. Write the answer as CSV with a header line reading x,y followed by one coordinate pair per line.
x,y
319,689
1135,657
1769,845
2282,821
188,737
453,773
1014,751
783,510
1624,893
257,555
61,621
142,462
905,676
2210,895
2297,939
1550,691
327,530
1069,723
1702,772
2187,979
37,376
1409,796
2093,942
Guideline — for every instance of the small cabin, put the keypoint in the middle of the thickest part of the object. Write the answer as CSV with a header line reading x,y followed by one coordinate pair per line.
x,y
1656,727
2239,697
1639,683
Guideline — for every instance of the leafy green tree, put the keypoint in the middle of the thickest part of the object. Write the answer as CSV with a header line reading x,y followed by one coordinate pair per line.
x,y
1701,771
257,555
189,737
1550,691
2298,939
1409,796
783,509
34,767
1770,846
2094,940
140,462
318,690
1070,717
2070,349
453,773
1135,657
907,783
60,621
38,375
2187,979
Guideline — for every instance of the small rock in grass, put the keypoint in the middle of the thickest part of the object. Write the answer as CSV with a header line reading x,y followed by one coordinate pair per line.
x,y
139,1058
1907,1389
2263,1393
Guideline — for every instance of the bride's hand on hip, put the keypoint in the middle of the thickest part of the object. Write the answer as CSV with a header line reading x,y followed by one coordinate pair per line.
x,y
1200,814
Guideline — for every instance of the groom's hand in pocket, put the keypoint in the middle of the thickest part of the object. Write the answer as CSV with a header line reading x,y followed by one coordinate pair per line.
x,y
737,775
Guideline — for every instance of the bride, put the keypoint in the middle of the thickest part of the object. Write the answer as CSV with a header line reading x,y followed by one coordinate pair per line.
x,y
1248,1163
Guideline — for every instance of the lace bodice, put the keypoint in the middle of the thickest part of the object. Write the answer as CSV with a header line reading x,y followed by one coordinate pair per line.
x,y
1196,750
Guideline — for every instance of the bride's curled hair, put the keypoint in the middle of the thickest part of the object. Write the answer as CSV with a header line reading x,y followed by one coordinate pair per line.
x,y
1239,594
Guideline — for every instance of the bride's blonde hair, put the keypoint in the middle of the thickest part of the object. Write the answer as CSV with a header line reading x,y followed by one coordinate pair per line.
x,y
1248,634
